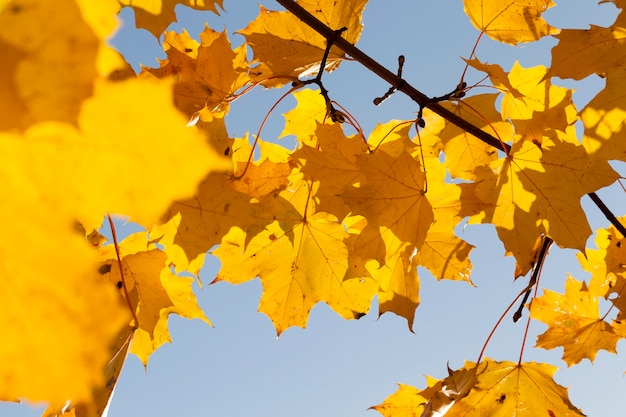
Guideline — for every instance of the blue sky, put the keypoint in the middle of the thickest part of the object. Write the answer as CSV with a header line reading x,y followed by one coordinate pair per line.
x,y
335,367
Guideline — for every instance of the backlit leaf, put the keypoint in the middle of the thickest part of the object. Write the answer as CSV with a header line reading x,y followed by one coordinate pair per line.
x,y
286,48
156,15
153,290
574,323
510,21
597,50
207,74
536,191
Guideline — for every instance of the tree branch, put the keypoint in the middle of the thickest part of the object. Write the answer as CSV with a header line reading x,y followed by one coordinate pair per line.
x,y
420,98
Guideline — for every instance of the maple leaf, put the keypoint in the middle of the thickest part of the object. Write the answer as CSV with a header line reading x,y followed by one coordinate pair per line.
x,y
331,155
463,151
606,262
392,198
154,292
192,226
603,118
574,323
207,74
597,50
301,257
510,389
541,108
535,191
499,78
398,285
156,15
303,119
286,48
403,403
510,21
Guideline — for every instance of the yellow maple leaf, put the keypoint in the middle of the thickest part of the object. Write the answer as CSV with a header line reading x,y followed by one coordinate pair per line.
x,y
597,50
535,191
403,403
192,226
298,267
156,15
499,77
510,389
398,285
392,198
331,155
510,21
286,48
574,323
154,291
443,253
604,117
303,119
463,151
536,107
301,257
606,262
207,74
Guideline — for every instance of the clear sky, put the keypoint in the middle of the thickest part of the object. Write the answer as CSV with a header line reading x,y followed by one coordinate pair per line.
x,y
338,368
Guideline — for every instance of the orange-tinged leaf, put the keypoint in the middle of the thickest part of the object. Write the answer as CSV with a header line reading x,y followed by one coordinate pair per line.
x,y
405,402
510,21
442,395
604,117
287,48
536,191
510,389
156,15
207,74
154,291
574,323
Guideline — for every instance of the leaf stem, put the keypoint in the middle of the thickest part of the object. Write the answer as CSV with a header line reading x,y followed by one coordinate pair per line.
x,y
119,264
534,281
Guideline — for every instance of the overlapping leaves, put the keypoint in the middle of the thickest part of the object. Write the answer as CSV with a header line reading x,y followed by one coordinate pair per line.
x,y
342,219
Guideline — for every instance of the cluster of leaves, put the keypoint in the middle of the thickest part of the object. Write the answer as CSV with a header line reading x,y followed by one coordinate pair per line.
x,y
342,219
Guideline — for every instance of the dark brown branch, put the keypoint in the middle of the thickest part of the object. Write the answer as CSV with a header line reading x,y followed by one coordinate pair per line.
x,y
398,83
607,213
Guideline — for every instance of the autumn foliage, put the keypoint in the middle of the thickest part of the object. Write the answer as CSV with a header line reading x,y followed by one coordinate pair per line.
x,y
345,217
